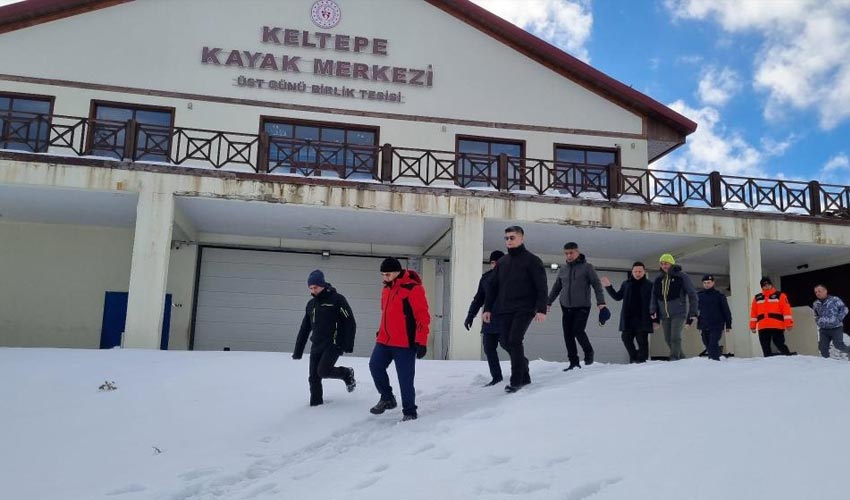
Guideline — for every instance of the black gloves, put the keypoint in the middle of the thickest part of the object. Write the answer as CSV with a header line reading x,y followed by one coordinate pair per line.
x,y
468,322
296,355
421,351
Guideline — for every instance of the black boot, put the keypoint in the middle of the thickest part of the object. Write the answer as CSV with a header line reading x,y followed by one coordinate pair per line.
x,y
572,365
383,405
350,382
588,358
409,417
493,382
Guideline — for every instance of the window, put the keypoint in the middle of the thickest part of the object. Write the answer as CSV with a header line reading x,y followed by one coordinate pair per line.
x,y
312,148
478,161
25,122
580,169
109,130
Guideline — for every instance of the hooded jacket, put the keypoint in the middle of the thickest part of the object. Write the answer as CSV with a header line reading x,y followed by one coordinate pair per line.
x,y
518,285
574,282
673,295
405,318
770,310
634,289
714,313
329,317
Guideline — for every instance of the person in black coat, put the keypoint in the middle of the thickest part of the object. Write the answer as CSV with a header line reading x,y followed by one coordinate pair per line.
x,y
635,320
331,320
489,331
714,315
517,294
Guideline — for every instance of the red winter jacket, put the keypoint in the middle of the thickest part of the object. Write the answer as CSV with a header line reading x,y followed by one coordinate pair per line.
x,y
404,312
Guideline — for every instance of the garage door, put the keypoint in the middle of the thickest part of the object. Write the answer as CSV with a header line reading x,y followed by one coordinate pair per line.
x,y
254,300
546,340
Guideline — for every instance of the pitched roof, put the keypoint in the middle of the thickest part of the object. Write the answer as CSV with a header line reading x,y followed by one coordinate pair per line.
x,y
666,131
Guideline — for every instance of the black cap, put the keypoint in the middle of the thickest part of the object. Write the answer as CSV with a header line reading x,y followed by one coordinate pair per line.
x,y
496,255
708,277
390,265
765,281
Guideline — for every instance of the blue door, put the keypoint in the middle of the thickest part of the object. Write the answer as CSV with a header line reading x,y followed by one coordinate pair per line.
x,y
115,317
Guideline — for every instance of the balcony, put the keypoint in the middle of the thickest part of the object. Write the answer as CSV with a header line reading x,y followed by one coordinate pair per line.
x,y
180,147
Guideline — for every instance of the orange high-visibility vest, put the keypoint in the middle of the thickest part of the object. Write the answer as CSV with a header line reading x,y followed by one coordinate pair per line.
x,y
771,309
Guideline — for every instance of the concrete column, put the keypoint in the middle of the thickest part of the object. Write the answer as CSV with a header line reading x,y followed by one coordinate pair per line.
x,y
428,271
744,275
149,269
467,255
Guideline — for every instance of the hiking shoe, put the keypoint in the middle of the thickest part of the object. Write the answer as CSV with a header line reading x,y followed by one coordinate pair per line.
x,y
409,417
493,382
350,383
383,405
572,365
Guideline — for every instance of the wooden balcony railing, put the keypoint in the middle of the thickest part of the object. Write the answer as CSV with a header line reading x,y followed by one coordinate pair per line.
x,y
274,155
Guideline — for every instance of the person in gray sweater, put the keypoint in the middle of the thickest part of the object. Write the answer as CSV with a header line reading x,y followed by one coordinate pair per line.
x,y
674,303
830,312
573,285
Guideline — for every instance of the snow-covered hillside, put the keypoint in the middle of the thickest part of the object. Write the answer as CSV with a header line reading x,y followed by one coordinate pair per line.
x,y
230,425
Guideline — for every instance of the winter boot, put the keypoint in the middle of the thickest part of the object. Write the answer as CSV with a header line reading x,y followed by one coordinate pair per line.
x,y
383,405
409,417
493,382
572,365
350,382
588,358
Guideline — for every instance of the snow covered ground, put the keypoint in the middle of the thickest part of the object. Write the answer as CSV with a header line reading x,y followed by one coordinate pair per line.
x,y
231,425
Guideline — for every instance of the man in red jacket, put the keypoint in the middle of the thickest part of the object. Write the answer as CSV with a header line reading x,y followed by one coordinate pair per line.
x,y
401,338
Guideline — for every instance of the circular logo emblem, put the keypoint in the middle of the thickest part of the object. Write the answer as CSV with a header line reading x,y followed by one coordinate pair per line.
x,y
325,13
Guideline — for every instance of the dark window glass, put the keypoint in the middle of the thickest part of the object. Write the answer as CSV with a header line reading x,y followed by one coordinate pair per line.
x,y
579,170
24,123
322,150
153,131
478,161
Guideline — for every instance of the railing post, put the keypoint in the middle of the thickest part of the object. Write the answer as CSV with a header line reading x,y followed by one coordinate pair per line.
x,y
715,188
615,181
386,173
130,140
502,179
814,198
263,153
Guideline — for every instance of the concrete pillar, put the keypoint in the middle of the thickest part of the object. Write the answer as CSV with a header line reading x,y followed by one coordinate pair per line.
x,y
428,271
467,255
149,269
744,276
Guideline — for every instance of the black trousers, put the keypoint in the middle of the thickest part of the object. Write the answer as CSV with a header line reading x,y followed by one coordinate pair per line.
x,y
640,353
574,322
514,325
711,340
777,336
491,344
322,366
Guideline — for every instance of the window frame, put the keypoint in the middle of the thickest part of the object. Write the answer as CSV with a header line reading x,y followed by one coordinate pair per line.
x,y
599,149
94,103
490,141
295,122
34,97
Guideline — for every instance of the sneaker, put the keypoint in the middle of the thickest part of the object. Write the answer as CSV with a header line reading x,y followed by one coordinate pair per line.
x,y
572,365
409,417
383,405
350,383
493,382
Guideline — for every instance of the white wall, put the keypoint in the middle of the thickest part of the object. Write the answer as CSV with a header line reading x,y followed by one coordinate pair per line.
x,y
181,285
54,278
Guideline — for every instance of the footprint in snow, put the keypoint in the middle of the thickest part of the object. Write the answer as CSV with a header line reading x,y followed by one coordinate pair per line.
x,y
514,487
424,448
130,488
196,473
590,489
380,468
266,488
367,483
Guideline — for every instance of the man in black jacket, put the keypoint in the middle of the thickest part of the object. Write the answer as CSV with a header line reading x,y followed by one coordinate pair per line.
x,y
330,319
714,315
635,321
489,331
517,294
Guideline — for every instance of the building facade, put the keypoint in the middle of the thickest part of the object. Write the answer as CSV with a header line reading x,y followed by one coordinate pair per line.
x,y
170,172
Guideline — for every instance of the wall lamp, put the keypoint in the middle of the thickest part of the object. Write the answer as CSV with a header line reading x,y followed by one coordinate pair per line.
x,y
326,254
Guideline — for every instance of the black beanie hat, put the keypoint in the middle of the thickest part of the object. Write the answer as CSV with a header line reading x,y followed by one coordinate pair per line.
x,y
390,265
317,278
496,255
765,281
